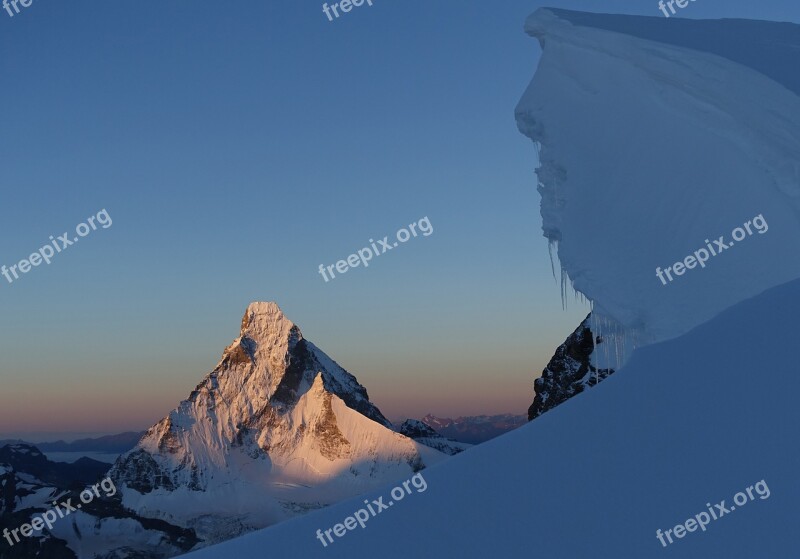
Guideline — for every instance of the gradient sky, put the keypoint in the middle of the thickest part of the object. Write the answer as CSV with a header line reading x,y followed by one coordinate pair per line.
x,y
239,145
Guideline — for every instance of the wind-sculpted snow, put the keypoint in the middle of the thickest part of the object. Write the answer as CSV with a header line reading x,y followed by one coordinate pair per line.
x,y
646,150
765,46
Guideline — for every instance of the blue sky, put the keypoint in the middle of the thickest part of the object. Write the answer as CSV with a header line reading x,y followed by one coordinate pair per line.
x,y
237,147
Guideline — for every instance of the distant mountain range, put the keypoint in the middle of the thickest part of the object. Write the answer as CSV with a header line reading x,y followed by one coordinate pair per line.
x,y
475,429
109,444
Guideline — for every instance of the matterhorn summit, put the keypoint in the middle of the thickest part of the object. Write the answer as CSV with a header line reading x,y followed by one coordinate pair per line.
x,y
276,429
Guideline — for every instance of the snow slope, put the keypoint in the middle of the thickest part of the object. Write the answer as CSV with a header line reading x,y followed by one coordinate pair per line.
x,y
647,149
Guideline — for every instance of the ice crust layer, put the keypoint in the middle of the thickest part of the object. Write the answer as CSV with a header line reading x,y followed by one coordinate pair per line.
x,y
647,148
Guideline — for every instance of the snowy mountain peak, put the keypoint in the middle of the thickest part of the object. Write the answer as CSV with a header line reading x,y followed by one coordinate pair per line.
x,y
265,341
275,429
262,319
319,385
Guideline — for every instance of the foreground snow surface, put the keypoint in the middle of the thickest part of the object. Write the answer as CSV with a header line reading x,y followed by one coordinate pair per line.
x,y
687,422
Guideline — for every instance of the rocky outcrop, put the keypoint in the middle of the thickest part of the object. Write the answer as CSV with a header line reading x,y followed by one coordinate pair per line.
x,y
569,372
